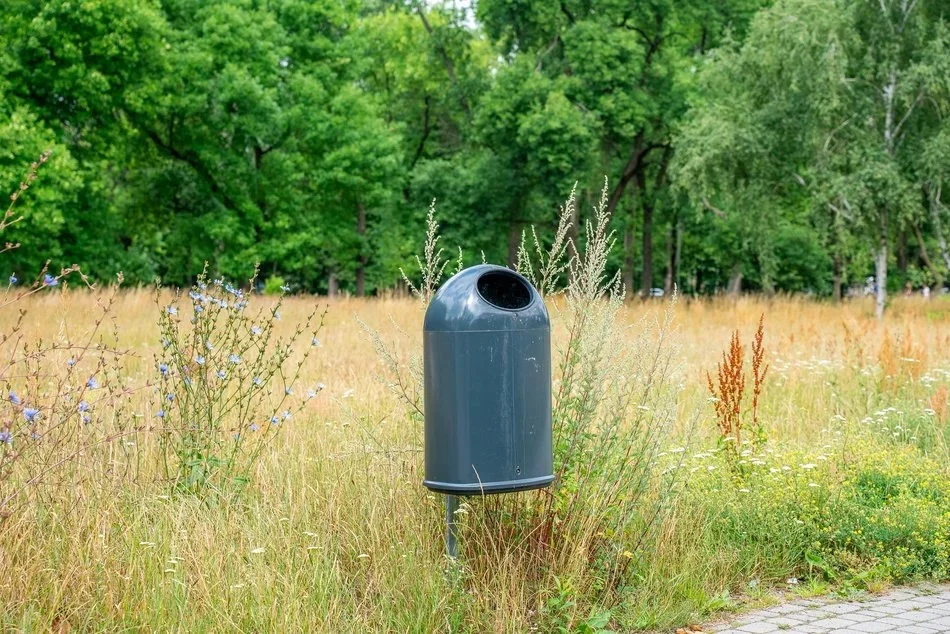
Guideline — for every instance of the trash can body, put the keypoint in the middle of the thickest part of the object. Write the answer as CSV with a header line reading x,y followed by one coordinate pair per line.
x,y
487,366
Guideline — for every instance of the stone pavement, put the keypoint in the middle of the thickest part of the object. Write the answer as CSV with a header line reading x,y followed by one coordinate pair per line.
x,y
922,610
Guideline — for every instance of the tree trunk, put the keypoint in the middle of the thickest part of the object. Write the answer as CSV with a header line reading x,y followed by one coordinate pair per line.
x,y
836,277
938,228
333,286
880,278
628,258
361,268
670,259
735,281
902,253
514,241
925,257
646,281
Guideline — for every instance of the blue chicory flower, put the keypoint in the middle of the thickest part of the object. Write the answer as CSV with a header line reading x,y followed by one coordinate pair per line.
x,y
30,414
49,280
83,406
13,280
222,374
235,359
6,436
14,398
92,383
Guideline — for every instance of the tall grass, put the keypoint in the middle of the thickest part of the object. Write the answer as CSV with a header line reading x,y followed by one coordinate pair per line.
x,y
646,525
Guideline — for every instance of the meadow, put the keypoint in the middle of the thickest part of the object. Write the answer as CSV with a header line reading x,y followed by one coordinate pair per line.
x,y
848,488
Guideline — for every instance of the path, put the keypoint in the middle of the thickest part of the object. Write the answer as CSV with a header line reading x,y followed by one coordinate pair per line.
x,y
922,610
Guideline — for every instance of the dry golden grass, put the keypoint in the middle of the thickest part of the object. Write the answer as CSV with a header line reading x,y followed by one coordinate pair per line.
x,y
337,532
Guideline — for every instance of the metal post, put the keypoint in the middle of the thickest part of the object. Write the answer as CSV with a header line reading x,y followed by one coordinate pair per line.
x,y
451,538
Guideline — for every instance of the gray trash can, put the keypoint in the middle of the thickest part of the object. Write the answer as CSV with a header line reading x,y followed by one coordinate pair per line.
x,y
487,360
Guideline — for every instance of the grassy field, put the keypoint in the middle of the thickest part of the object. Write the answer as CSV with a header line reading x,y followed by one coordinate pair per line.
x,y
335,532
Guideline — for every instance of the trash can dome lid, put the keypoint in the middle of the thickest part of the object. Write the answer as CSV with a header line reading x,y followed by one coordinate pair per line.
x,y
486,297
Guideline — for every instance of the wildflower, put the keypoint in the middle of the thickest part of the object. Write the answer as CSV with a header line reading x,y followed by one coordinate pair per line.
x,y
277,315
172,310
163,368
255,330
161,413
288,391
6,436
71,362
258,381
165,342
286,415
85,418
253,427
49,280
200,360
30,414
284,287
169,397
92,383
194,295
199,309
321,386
311,393
209,345
83,406
235,359
218,282
274,420
222,374
808,466
13,280
315,342
187,380
14,398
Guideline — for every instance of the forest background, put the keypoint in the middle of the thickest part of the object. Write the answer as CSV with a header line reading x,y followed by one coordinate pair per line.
x,y
790,146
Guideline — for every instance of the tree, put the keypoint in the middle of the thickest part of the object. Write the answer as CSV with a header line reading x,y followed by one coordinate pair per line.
x,y
826,104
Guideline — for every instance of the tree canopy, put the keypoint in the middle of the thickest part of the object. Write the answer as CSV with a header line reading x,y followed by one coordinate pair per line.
x,y
794,145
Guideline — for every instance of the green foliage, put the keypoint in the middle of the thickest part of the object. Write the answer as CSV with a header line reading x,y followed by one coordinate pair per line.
x,y
745,140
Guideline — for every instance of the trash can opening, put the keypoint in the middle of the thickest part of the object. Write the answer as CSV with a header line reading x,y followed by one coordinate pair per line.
x,y
504,290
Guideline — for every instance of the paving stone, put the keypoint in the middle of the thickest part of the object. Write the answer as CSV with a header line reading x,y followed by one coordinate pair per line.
x,y
760,627
833,623
842,608
924,610
894,620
